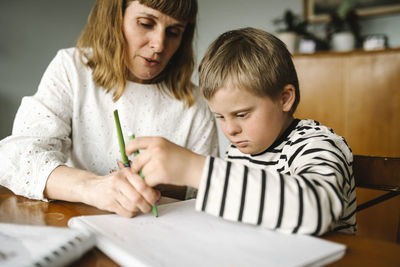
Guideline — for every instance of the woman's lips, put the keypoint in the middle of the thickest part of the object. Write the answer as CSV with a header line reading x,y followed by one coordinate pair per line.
x,y
151,62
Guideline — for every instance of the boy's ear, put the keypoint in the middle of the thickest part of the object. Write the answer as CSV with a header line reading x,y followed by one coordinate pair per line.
x,y
288,96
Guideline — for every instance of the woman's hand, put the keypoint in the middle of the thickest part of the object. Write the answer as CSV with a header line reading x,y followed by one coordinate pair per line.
x,y
123,192
163,162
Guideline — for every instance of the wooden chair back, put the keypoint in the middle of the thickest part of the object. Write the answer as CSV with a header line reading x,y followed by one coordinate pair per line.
x,y
383,174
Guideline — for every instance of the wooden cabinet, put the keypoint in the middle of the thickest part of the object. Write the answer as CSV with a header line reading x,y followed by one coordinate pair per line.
x,y
358,95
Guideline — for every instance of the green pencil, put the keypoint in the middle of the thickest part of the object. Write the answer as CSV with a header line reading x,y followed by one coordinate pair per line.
x,y
125,159
121,142
154,207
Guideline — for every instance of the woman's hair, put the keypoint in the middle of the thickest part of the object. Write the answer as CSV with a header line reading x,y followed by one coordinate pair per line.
x,y
102,46
251,59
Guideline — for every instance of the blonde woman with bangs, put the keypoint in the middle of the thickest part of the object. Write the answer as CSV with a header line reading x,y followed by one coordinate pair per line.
x,y
134,56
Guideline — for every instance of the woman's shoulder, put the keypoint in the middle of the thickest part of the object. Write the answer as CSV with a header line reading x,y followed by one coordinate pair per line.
x,y
69,60
71,53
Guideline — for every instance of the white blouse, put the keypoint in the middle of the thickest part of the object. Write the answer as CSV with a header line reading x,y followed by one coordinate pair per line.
x,y
69,121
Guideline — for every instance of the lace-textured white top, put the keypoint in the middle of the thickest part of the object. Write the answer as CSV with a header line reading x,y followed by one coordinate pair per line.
x,y
69,121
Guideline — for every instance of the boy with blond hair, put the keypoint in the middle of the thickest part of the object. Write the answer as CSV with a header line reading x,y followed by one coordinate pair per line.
x,y
282,173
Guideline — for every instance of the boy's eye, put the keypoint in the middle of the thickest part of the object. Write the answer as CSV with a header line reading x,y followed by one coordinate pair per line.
x,y
241,115
219,116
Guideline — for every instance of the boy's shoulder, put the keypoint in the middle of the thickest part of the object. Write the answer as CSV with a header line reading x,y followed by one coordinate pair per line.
x,y
310,127
310,131
314,134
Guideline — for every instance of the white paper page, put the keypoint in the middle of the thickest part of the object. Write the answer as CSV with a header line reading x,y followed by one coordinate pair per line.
x,y
180,236
28,245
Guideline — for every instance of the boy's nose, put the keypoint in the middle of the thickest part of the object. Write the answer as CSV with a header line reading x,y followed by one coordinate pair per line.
x,y
157,41
233,128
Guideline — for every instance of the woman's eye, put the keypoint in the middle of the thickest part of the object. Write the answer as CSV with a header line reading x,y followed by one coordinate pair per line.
x,y
173,33
145,25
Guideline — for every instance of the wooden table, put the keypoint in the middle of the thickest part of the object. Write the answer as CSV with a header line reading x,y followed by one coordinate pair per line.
x,y
16,209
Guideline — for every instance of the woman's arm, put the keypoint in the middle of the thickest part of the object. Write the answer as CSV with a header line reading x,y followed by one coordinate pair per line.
x,y
122,192
33,158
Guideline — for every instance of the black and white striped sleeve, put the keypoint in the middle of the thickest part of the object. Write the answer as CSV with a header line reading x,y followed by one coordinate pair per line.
x,y
307,199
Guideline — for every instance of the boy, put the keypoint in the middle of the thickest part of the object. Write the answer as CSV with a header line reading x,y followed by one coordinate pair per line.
x,y
282,173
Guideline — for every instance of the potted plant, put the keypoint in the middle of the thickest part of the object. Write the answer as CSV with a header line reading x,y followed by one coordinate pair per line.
x,y
295,30
288,34
343,29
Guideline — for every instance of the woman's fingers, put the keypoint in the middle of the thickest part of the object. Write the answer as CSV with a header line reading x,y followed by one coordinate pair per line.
x,y
120,165
119,208
131,200
149,194
124,193
138,194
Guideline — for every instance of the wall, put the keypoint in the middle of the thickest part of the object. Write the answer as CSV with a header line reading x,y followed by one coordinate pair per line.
x,y
32,32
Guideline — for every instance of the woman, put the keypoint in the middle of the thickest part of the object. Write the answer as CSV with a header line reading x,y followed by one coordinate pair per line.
x,y
134,56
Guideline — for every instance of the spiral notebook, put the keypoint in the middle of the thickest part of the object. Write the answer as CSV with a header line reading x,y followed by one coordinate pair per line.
x,y
30,245
181,236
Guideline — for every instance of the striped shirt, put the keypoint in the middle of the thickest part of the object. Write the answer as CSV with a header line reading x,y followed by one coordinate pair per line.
x,y
303,183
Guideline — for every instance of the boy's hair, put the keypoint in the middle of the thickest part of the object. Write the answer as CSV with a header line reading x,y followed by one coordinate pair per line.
x,y
251,59
103,34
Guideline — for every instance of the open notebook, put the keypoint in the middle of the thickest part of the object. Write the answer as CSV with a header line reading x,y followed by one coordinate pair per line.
x,y
181,236
30,245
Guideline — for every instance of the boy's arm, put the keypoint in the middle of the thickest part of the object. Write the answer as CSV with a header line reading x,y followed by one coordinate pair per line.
x,y
163,162
318,193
